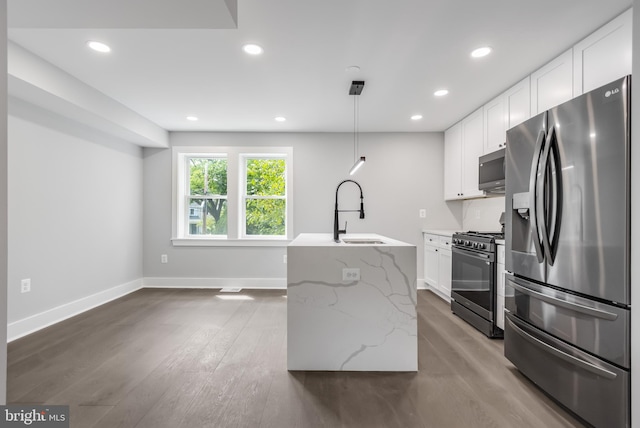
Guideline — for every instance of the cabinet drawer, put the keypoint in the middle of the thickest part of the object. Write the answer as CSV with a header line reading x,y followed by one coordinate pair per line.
x,y
445,242
430,239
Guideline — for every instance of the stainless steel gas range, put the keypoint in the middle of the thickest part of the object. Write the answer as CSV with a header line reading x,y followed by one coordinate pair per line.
x,y
474,280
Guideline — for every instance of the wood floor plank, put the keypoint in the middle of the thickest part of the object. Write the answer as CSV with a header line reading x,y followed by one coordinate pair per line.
x,y
187,358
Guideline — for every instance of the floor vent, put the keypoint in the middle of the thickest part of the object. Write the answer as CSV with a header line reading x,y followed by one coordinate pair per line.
x,y
230,290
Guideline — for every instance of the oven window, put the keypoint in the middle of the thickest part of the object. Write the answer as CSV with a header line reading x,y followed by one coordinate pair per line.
x,y
471,278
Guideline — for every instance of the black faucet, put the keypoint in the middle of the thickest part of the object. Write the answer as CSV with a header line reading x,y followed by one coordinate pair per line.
x,y
336,230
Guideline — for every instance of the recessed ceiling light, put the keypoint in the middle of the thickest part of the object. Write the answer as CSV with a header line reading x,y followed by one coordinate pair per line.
x,y
352,69
192,118
480,52
416,117
252,49
280,119
441,92
98,46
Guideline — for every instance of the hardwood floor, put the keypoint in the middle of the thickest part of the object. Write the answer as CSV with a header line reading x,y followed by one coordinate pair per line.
x,y
185,358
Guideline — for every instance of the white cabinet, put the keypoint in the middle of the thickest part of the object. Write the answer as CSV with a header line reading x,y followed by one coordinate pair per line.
x,y
504,112
552,84
431,265
603,56
444,272
472,145
453,162
437,264
495,124
518,103
500,271
463,145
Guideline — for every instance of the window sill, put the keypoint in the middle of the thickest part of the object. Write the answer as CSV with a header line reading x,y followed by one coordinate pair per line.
x,y
207,242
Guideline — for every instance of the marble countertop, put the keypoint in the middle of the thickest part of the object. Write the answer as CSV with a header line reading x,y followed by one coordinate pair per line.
x,y
440,232
500,241
326,240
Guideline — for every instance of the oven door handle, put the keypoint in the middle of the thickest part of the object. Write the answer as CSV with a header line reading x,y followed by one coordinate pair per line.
x,y
599,371
479,256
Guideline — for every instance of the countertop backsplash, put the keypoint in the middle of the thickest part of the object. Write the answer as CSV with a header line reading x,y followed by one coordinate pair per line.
x,y
482,214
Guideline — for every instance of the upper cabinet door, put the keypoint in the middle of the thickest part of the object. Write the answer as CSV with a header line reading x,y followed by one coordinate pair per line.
x,y
495,125
452,162
518,103
552,84
604,56
472,146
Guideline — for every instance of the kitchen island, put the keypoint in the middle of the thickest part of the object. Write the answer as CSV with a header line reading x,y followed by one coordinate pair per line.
x,y
351,305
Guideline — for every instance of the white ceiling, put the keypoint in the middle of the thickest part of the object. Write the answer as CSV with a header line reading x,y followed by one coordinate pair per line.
x,y
406,50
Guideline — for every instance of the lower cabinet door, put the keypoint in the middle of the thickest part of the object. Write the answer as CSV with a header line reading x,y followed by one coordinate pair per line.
x,y
444,272
431,266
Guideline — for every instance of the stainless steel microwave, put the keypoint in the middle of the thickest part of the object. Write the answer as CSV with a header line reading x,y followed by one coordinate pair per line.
x,y
491,172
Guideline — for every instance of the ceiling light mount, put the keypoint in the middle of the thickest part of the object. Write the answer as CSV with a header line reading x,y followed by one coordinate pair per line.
x,y
356,87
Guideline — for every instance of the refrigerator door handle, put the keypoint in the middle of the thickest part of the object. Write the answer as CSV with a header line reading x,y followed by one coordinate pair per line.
x,y
545,196
596,313
555,174
533,198
599,371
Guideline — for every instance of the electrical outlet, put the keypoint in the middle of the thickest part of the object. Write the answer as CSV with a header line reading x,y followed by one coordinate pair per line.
x,y
423,213
164,258
25,285
351,274
284,258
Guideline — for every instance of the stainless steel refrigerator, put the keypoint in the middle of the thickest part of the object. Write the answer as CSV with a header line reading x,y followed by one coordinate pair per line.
x,y
567,307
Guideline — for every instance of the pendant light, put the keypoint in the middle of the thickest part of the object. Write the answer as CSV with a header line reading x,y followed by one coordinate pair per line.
x,y
356,90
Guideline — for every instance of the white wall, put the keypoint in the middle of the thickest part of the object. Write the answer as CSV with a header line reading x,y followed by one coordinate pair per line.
x,y
75,214
482,214
403,173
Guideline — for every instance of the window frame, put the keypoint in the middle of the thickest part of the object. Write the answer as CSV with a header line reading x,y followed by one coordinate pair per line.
x,y
236,189
243,158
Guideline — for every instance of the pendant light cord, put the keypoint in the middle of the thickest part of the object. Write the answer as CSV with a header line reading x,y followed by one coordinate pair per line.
x,y
356,114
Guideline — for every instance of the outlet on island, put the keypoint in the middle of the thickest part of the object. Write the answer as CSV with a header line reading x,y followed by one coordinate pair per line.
x,y
351,274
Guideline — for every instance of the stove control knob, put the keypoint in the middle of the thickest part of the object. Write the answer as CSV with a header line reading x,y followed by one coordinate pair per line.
x,y
467,243
482,246
475,245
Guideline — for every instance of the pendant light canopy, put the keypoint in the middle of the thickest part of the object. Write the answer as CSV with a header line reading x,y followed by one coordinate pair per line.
x,y
356,90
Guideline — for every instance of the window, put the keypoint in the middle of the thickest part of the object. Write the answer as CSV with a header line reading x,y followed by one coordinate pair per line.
x,y
265,201
232,195
207,196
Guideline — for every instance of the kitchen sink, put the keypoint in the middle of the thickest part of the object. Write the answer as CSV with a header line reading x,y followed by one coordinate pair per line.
x,y
362,241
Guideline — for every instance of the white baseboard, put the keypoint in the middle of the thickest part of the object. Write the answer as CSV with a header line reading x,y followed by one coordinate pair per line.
x,y
440,294
252,283
422,285
25,326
